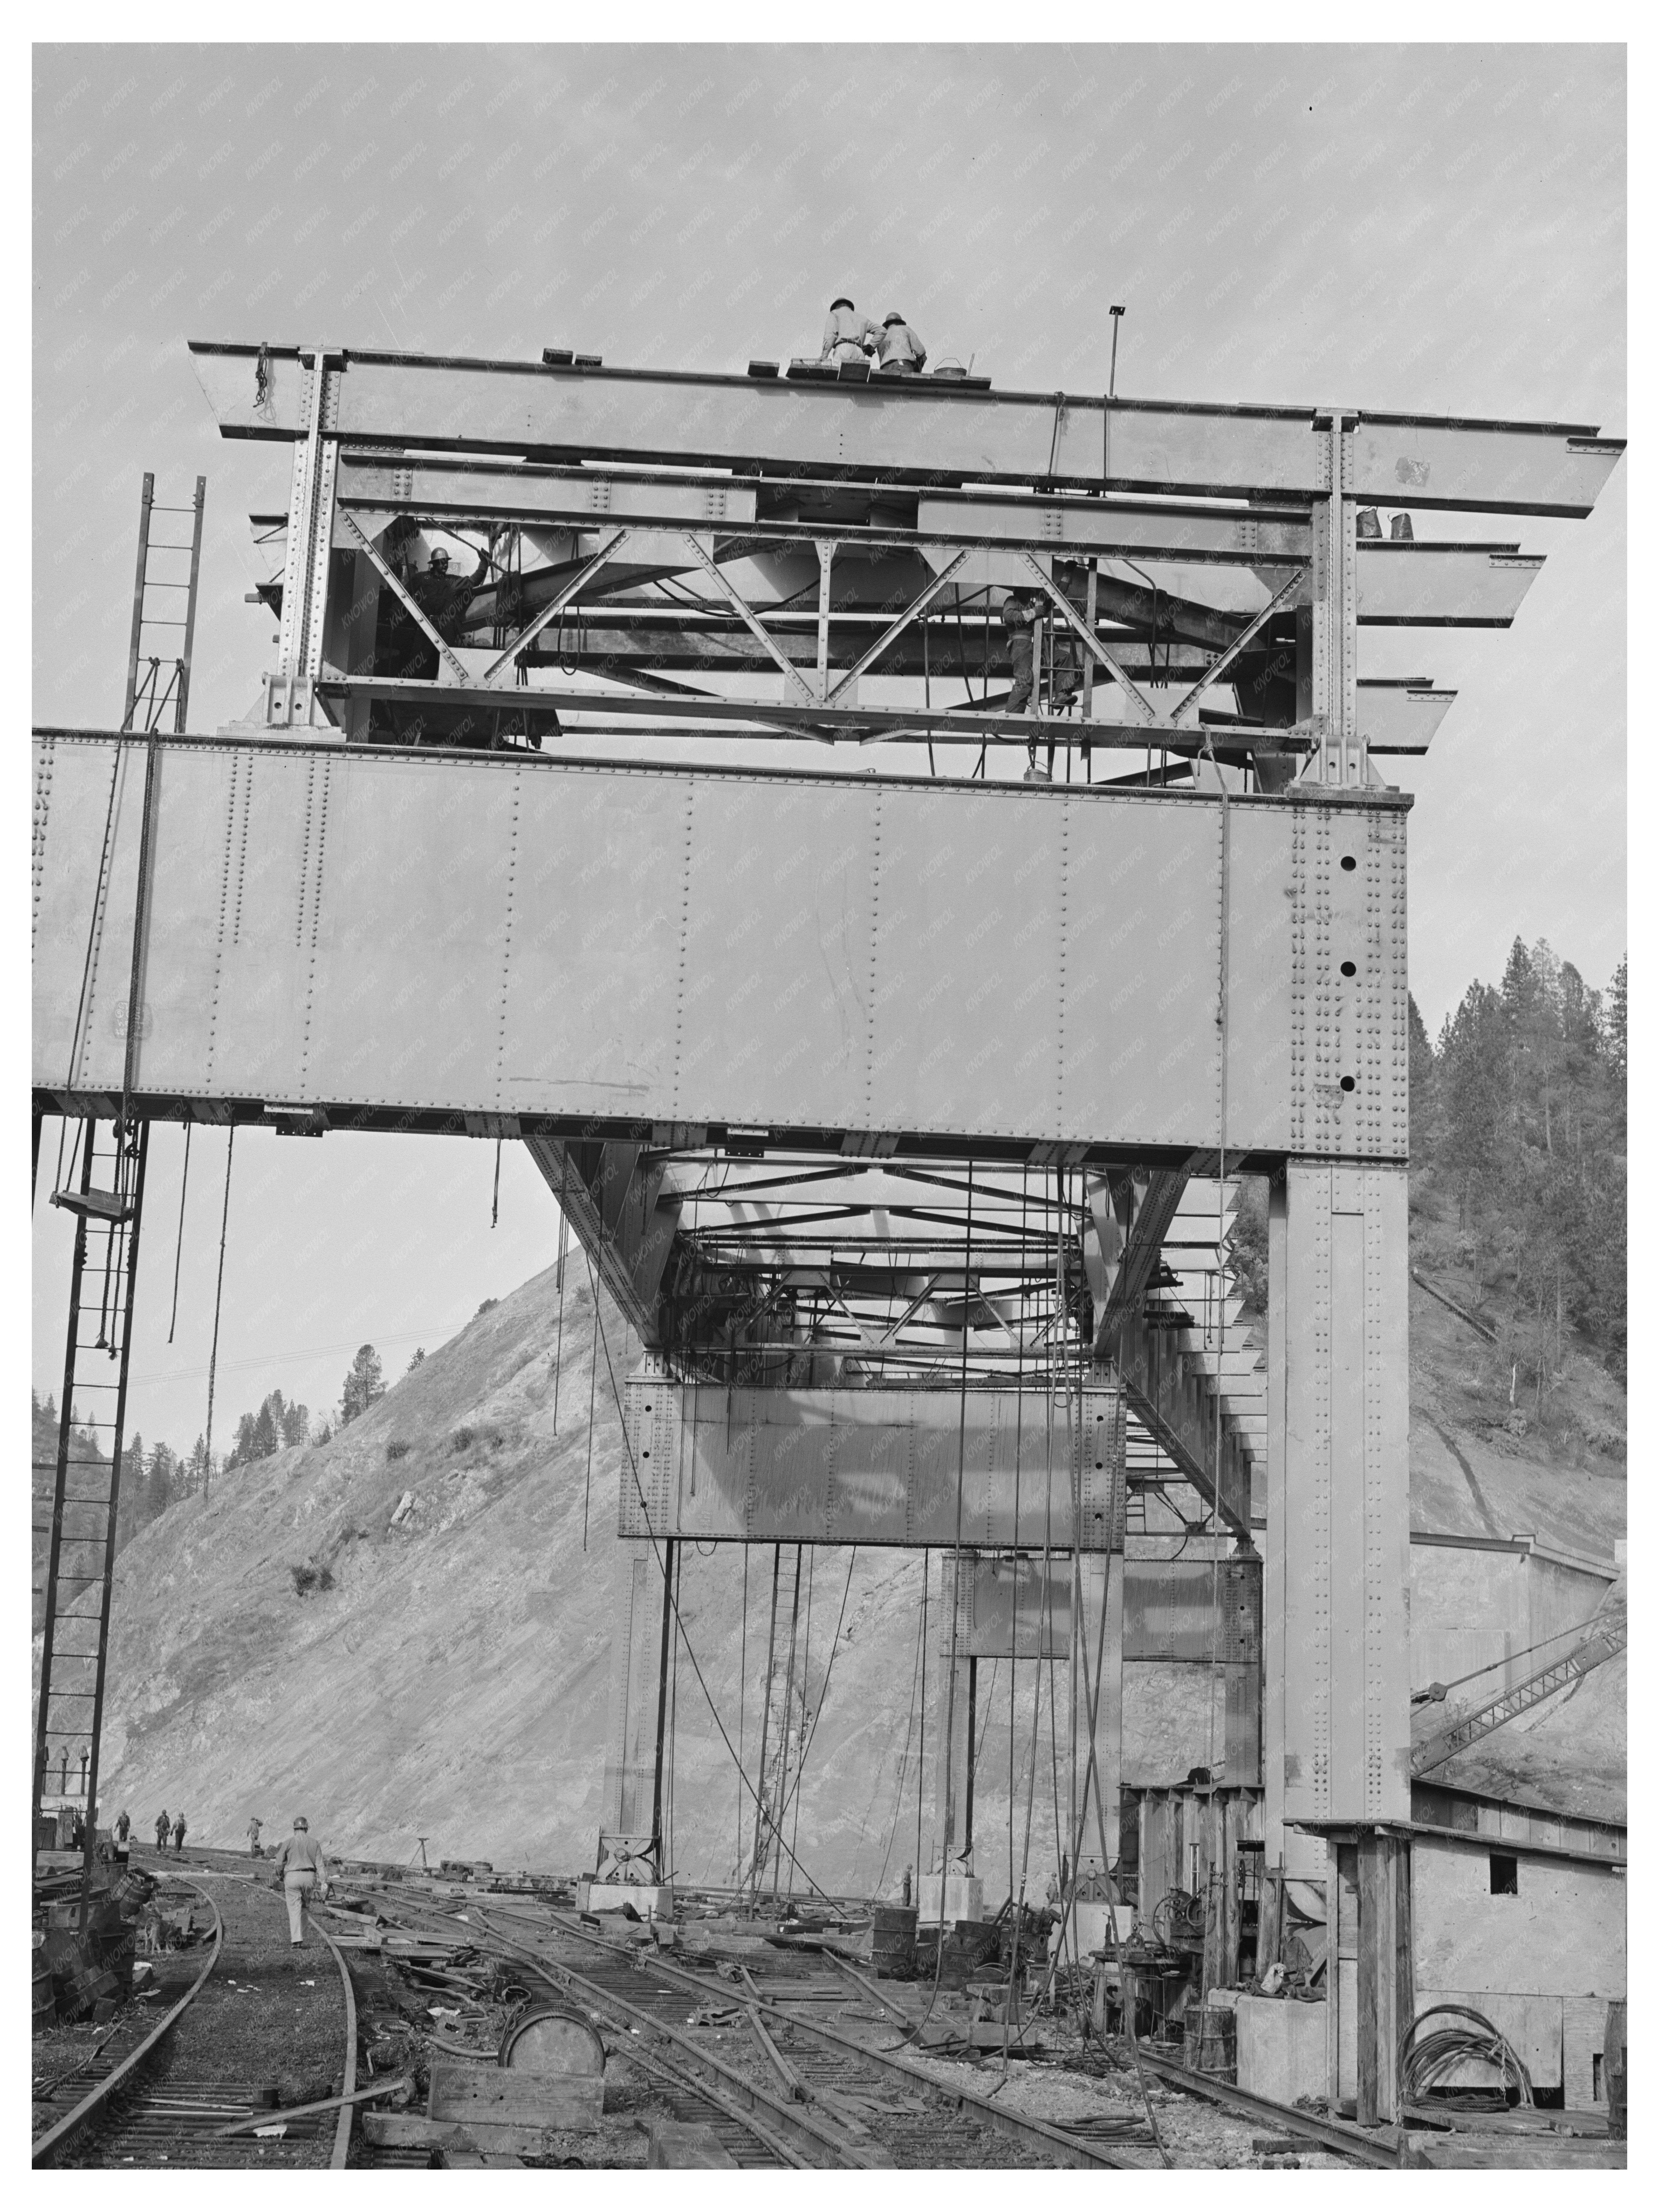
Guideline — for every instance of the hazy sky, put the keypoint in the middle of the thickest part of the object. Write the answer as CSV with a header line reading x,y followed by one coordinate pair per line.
x,y
1419,229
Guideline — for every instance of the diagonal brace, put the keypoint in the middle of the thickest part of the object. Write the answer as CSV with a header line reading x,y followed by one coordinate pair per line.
x,y
1141,706
746,614
567,591
920,605
1213,674
412,605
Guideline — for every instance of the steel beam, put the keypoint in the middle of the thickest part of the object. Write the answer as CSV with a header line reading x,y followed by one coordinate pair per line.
x,y
909,428
1338,1747
989,1467
517,935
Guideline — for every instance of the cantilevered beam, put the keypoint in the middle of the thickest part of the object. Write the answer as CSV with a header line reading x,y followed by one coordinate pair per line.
x,y
917,429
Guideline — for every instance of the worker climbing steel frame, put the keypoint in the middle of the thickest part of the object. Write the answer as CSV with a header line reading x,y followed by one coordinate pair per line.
x,y
630,965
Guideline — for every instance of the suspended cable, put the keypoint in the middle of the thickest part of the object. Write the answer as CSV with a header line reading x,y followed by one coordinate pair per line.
x,y
742,1687
564,1248
218,1301
179,1248
592,1385
496,1191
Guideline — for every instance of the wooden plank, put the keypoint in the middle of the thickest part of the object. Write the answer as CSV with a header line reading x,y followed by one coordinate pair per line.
x,y
679,2144
507,2094
1560,2153
414,2132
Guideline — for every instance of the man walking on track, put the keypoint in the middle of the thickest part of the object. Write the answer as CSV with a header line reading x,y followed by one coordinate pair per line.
x,y
304,1874
163,1828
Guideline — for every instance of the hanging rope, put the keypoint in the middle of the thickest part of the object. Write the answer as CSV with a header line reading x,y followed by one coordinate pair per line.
x,y
496,1193
179,1248
218,1301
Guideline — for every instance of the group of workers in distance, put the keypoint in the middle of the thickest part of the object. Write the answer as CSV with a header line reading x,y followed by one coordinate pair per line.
x,y
299,1865
848,335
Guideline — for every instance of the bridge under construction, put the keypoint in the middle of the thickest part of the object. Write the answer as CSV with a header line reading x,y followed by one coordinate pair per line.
x,y
900,1094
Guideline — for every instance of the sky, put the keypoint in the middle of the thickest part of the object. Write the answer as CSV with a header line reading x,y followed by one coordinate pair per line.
x,y
1426,230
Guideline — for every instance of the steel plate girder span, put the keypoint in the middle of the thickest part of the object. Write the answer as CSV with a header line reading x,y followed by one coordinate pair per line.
x,y
1007,1608
522,937
990,1466
906,428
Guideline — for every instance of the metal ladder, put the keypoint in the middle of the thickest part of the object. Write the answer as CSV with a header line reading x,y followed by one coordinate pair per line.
x,y
107,1204
106,1200
148,693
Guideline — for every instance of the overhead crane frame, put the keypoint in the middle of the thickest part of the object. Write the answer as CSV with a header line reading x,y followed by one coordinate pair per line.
x,y
587,954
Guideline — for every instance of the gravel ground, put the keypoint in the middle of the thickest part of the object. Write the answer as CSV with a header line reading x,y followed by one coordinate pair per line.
x,y
269,2013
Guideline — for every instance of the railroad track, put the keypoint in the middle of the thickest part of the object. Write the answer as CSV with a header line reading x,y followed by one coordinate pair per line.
x,y
163,2099
776,2086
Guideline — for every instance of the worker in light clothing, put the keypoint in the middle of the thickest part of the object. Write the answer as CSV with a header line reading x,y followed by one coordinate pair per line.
x,y
178,1827
847,335
303,1872
899,350
254,1826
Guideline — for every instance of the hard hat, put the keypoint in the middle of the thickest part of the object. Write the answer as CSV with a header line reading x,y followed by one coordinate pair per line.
x,y
301,1821
842,302
439,557
894,318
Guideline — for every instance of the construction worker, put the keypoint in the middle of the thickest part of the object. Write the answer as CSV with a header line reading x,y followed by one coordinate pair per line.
x,y
163,1827
847,335
1016,621
303,1871
899,350
119,1835
179,1837
254,1849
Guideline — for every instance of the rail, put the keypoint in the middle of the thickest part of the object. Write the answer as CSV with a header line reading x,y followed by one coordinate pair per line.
x,y
45,2148
349,2077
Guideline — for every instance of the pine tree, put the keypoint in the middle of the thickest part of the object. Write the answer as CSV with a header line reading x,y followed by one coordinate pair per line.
x,y
420,1354
266,1438
296,1422
364,1383
1419,1067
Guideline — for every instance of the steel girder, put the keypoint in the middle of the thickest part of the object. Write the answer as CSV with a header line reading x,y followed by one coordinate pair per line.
x,y
905,428
959,968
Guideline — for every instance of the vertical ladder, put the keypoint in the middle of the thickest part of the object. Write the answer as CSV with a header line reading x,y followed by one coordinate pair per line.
x,y
149,695
106,1200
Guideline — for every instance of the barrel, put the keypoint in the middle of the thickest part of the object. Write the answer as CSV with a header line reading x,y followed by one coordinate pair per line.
x,y
45,2004
1211,2035
1612,2068
893,1940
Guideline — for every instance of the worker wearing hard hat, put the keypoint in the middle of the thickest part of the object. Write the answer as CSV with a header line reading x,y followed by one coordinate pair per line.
x,y
899,351
847,335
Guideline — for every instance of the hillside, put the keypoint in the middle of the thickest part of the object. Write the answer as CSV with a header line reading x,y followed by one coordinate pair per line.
x,y
453,1683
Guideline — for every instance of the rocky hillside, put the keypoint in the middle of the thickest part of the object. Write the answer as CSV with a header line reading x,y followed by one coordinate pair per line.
x,y
402,1633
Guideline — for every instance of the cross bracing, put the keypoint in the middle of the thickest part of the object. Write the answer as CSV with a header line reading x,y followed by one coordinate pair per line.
x,y
765,557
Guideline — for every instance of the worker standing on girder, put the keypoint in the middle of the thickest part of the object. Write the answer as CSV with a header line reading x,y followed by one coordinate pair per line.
x,y
847,335
302,1871
899,349
1016,621
443,598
